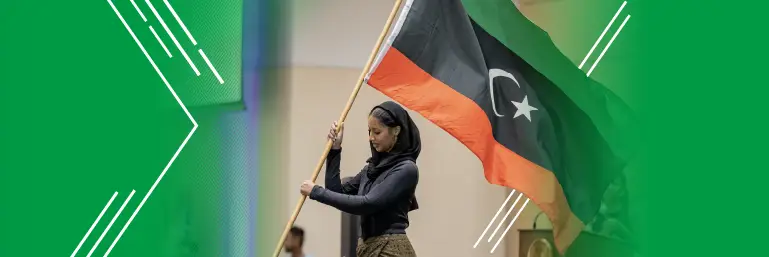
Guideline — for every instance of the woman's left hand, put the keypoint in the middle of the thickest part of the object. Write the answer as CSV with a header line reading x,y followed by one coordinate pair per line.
x,y
306,187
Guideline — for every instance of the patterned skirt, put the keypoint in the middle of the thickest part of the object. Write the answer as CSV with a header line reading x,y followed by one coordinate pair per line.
x,y
397,245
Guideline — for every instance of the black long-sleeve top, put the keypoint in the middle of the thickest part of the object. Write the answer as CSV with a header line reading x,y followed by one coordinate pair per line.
x,y
383,206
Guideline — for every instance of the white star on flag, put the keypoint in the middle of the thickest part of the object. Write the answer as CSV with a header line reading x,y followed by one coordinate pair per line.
x,y
523,108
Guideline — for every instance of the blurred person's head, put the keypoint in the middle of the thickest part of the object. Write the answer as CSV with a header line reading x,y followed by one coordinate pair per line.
x,y
540,248
294,240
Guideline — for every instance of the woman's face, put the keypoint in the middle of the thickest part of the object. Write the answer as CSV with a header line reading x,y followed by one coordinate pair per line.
x,y
381,137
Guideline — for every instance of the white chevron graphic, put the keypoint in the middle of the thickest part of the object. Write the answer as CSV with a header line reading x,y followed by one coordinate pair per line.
x,y
168,165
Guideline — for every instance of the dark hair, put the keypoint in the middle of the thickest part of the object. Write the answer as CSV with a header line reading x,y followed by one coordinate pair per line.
x,y
298,232
384,117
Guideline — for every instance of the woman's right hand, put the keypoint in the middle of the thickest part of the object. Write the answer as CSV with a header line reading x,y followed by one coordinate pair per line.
x,y
336,137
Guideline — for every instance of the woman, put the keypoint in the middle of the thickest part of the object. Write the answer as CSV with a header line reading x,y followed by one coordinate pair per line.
x,y
383,192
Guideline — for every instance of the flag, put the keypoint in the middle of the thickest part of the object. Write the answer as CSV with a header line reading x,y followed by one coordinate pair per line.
x,y
489,77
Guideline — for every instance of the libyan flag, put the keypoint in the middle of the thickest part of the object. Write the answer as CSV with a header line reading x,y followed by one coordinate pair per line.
x,y
495,81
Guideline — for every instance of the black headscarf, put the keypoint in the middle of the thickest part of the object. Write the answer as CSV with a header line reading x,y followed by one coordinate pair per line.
x,y
407,146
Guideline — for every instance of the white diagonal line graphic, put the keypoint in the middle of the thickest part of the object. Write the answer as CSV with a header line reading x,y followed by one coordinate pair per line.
x,y
602,34
187,31
495,218
512,207
211,66
138,42
110,223
608,45
510,225
139,10
178,150
94,224
173,38
160,41
179,20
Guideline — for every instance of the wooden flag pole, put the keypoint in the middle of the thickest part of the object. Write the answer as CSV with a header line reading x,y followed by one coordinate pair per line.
x,y
342,117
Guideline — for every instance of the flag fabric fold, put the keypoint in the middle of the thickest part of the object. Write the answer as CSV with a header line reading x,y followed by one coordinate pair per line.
x,y
490,78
